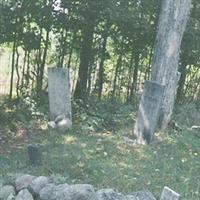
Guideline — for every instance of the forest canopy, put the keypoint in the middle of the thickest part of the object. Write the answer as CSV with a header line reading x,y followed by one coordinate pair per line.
x,y
107,44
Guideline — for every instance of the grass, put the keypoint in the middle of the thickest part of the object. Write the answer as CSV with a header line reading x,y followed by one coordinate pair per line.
x,y
106,159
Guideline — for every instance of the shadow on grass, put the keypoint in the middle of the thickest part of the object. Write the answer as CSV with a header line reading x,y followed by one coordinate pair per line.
x,y
106,160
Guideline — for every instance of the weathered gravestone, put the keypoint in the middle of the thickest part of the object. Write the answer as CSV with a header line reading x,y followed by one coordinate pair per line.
x,y
59,92
169,194
149,111
34,154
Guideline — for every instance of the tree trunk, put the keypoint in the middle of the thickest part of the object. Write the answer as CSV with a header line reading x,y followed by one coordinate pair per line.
x,y
71,50
119,63
172,24
135,75
85,57
171,27
101,66
12,69
17,72
63,50
180,91
130,71
41,69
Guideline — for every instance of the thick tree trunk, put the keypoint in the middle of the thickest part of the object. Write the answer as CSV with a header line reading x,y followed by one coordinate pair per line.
x,y
85,57
172,24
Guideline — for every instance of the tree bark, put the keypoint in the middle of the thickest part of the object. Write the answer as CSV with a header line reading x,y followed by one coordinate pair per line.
x,y
101,66
85,57
172,24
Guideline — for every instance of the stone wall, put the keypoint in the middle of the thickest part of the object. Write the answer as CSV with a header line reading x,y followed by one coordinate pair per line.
x,y
29,187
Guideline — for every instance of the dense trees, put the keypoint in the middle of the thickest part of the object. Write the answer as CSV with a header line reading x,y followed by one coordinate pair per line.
x,y
108,44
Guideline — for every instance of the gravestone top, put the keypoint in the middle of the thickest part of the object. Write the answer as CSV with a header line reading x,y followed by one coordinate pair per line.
x,y
169,194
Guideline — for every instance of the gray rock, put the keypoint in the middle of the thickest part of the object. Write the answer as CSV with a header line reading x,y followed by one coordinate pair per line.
x,y
143,195
77,192
59,118
169,194
24,195
48,192
11,197
61,187
5,191
23,182
51,191
37,184
64,125
195,128
110,194
52,124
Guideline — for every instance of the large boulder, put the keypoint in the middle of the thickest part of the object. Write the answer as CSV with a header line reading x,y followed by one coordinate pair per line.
x,y
23,182
77,192
110,194
24,195
38,184
52,191
48,192
5,191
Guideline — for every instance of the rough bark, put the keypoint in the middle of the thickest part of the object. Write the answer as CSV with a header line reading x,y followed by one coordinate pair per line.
x,y
171,27
172,24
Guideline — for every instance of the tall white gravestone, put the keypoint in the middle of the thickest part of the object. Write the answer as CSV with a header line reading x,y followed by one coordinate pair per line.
x,y
59,93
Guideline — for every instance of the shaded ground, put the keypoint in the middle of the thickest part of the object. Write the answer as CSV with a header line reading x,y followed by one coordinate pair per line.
x,y
105,158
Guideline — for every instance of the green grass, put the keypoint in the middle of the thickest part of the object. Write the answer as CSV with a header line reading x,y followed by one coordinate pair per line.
x,y
102,158
106,160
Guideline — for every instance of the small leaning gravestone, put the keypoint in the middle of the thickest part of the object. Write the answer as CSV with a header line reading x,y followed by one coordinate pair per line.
x,y
149,111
